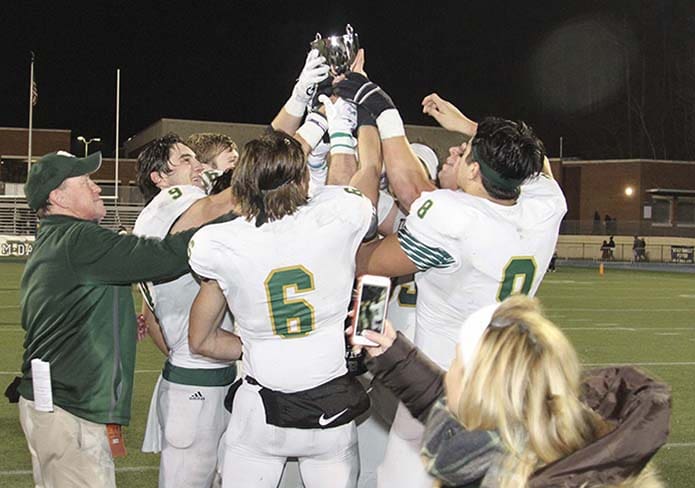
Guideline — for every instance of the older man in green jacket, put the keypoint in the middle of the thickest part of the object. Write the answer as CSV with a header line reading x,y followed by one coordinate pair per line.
x,y
78,313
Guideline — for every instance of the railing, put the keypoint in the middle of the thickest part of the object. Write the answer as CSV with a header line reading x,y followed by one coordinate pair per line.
x,y
626,228
16,218
660,253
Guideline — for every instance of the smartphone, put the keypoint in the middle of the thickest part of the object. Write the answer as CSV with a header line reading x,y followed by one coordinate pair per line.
x,y
371,303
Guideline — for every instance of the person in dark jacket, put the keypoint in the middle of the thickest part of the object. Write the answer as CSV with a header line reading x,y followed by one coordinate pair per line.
x,y
513,409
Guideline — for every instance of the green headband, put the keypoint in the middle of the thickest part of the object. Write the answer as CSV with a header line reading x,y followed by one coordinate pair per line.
x,y
494,177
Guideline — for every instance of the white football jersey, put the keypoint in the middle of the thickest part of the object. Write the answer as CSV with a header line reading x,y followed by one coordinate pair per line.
x,y
172,300
288,284
473,252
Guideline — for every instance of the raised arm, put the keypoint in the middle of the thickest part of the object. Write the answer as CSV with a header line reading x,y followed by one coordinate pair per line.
x,y
366,179
342,120
204,334
290,116
447,115
406,175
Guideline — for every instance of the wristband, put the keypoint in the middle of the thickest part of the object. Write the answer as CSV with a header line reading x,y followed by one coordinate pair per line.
x,y
390,124
342,143
313,128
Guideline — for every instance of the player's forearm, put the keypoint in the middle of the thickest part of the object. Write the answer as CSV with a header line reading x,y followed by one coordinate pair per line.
x,y
341,169
154,330
286,122
466,126
406,175
206,315
383,258
221,344
205,210
366,179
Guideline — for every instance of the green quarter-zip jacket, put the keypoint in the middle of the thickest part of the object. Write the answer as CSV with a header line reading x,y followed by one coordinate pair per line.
x,y
78,313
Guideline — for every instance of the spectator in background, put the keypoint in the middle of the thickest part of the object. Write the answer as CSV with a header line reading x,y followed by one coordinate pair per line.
x,y
611,245
597,223
639,249
551,266
643,249
605,251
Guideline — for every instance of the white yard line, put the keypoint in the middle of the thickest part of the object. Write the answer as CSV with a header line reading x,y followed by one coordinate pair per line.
x,y
600,328
618,309
137,371
125,469
675,363
628,328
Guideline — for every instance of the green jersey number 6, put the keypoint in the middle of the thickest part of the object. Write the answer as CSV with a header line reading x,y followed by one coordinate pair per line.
x,y
291,317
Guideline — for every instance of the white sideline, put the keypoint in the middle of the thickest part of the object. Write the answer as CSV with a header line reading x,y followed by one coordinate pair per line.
x,y
617,309
125,469
138,469
675,363
627,328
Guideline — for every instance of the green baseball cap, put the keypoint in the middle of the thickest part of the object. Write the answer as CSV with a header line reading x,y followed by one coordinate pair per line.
x,y
51,170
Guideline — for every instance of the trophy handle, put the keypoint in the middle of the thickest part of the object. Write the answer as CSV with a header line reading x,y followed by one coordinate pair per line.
x,y
348,30
318,36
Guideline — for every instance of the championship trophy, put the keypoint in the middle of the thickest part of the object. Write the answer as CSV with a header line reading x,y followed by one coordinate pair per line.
x,y
339,51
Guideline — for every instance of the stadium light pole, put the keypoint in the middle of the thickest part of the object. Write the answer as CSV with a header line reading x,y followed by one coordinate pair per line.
x,y
87,143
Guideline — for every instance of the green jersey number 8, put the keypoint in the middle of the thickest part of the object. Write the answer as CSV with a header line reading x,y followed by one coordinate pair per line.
x,y
518,277
291,317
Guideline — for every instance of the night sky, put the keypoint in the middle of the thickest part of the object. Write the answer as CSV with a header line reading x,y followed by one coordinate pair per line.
x,y
615,79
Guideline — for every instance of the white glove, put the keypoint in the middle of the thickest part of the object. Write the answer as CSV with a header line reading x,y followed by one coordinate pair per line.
x,y
315,71
342,120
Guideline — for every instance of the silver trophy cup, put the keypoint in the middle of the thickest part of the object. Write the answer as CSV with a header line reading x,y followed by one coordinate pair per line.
x,y
339,51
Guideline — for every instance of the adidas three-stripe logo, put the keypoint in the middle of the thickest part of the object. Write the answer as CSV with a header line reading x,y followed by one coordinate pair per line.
x,y
196,396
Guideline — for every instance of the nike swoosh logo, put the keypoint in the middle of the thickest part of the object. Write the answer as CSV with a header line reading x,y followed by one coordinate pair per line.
x,y
323,421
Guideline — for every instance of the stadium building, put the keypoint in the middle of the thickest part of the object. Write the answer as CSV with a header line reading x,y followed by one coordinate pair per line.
x,y
654,198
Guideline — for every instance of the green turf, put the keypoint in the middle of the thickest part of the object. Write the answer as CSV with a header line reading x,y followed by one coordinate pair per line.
x,y
622,317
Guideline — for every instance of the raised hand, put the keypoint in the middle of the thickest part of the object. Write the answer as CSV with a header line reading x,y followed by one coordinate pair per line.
x,y
447,115
314,72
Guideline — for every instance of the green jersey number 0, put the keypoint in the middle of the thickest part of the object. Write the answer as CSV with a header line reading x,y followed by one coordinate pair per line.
x,y
518,276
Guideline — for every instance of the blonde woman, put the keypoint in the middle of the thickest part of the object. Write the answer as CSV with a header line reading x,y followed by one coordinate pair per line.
x,y
513,409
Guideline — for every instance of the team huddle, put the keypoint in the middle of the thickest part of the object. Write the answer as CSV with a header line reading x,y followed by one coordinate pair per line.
x,y
343,195
254,330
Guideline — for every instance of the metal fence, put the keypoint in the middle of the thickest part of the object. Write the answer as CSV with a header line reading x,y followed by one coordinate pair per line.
x,y
16,218
626,228
658,253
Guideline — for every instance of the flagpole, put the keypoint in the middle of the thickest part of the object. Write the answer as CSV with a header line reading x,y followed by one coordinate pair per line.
x,y
31,110
118,110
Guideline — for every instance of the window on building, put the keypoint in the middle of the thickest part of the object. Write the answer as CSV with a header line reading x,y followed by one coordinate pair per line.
x,y
661,210
685,212
13,171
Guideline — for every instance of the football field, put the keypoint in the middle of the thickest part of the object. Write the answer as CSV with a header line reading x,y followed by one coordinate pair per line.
x,y
641,318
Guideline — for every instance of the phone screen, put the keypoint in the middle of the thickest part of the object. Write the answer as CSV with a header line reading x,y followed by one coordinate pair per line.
x,y
372,311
